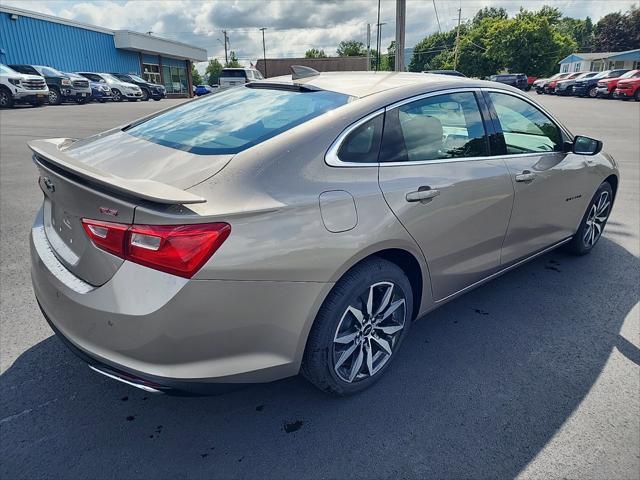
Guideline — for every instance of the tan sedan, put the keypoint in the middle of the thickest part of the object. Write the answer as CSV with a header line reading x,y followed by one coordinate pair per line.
x,y
300,224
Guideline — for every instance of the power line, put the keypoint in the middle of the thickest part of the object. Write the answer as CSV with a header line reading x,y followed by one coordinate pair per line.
x,y
437,19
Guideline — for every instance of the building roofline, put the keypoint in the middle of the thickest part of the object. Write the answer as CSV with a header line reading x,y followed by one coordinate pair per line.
x,y
54,19
86,26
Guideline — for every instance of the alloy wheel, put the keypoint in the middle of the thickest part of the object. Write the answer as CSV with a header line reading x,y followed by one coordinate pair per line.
x,y
117,96
53,97
368,332
4,98
593,93
596,219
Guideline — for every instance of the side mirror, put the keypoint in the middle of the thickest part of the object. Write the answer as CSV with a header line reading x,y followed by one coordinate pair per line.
x,y
586,146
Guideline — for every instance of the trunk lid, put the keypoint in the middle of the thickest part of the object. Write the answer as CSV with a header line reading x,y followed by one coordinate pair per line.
x,y
105,178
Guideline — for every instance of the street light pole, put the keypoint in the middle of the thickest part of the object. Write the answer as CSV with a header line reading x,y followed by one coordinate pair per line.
x,y
226,59
264,52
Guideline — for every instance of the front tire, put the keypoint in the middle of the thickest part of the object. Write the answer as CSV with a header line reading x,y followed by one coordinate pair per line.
x,y
117,95
55,98
359,328
145,95
592,93
593,221
6,98
636,96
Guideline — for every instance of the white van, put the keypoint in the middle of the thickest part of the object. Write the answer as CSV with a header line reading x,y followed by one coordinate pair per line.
x,y
230,77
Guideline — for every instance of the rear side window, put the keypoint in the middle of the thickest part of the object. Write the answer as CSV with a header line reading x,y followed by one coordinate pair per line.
x,y
235,119
433,128
525,128
233,73
363,143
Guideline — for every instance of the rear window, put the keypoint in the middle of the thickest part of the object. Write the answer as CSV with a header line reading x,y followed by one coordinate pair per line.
x,y
233,73
236,119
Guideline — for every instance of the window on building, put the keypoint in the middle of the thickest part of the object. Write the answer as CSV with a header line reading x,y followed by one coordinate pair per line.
x,y
151,72
636,65
175,79
565,68
576,67
618,64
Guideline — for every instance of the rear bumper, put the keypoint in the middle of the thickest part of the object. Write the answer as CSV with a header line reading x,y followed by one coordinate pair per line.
x,y
177,333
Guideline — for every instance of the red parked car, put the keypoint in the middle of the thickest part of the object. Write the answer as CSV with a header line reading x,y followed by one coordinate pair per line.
x,y
628,88
550,87
607,86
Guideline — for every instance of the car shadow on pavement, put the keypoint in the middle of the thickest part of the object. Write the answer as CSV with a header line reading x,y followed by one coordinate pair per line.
x,y
480,387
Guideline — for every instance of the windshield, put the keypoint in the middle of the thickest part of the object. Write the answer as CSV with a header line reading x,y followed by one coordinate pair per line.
x,y
137,78
7,70
603,74
110,78
49,72
629,74
236,119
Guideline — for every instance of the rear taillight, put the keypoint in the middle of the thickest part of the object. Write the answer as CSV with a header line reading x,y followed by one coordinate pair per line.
x,y
177,249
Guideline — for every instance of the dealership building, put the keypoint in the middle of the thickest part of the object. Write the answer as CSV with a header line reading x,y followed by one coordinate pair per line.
x,y
33,38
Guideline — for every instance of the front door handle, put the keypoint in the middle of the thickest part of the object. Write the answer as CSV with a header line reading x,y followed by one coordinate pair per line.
x,y
525,176
422,194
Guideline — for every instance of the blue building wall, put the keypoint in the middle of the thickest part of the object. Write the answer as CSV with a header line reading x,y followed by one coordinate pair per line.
x,y
67,48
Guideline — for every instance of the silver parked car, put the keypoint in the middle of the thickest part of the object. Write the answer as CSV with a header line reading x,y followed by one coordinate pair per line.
x,y
300,224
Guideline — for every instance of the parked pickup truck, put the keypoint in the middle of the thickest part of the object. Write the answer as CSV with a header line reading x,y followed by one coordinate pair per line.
x,y
588,87
628,88
61,87
607,86
16,87
149,90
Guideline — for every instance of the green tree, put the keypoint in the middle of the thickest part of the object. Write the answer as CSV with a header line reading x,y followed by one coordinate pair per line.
x,y
490,12
315,53
213,71
429,47
391,57
195,75
233,61
528,43
351,48
617,32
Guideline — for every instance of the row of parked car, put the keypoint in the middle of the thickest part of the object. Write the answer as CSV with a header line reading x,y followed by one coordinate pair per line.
x,y
619,83
39,84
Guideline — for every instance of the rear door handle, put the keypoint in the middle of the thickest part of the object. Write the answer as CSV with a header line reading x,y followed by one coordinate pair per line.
x,y
525,176
422,194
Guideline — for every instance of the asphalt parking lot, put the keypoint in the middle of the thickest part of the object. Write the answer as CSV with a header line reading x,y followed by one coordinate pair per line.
x,y
535,375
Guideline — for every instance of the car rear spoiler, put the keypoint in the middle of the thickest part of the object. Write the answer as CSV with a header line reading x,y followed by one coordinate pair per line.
x,y
49,151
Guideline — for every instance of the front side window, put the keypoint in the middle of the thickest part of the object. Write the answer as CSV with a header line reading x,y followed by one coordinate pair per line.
x,y
525,128
434,128
236,119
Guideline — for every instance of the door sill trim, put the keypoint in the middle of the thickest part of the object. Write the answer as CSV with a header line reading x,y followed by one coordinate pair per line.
x,y
504,270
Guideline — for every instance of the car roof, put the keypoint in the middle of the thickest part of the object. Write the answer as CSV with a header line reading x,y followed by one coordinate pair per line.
x,y
362,84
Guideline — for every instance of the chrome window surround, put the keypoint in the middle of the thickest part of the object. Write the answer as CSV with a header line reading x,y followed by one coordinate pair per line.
x,y
331,157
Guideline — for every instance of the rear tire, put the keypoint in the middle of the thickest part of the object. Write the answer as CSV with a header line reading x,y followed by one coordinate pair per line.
x,y
353,339
6,98
145,95
636,95
593,222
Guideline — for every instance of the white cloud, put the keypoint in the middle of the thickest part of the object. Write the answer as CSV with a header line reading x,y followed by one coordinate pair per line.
x,y
293,26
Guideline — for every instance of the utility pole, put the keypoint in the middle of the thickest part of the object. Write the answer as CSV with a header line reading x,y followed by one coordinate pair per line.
x,y
401,15
368,46
378,38
226,58
264,52
455,56
379,46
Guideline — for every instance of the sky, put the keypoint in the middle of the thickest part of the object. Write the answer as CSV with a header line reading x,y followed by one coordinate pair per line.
x,y
293,26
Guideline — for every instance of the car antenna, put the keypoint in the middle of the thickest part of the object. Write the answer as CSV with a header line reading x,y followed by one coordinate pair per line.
x,y
300,71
